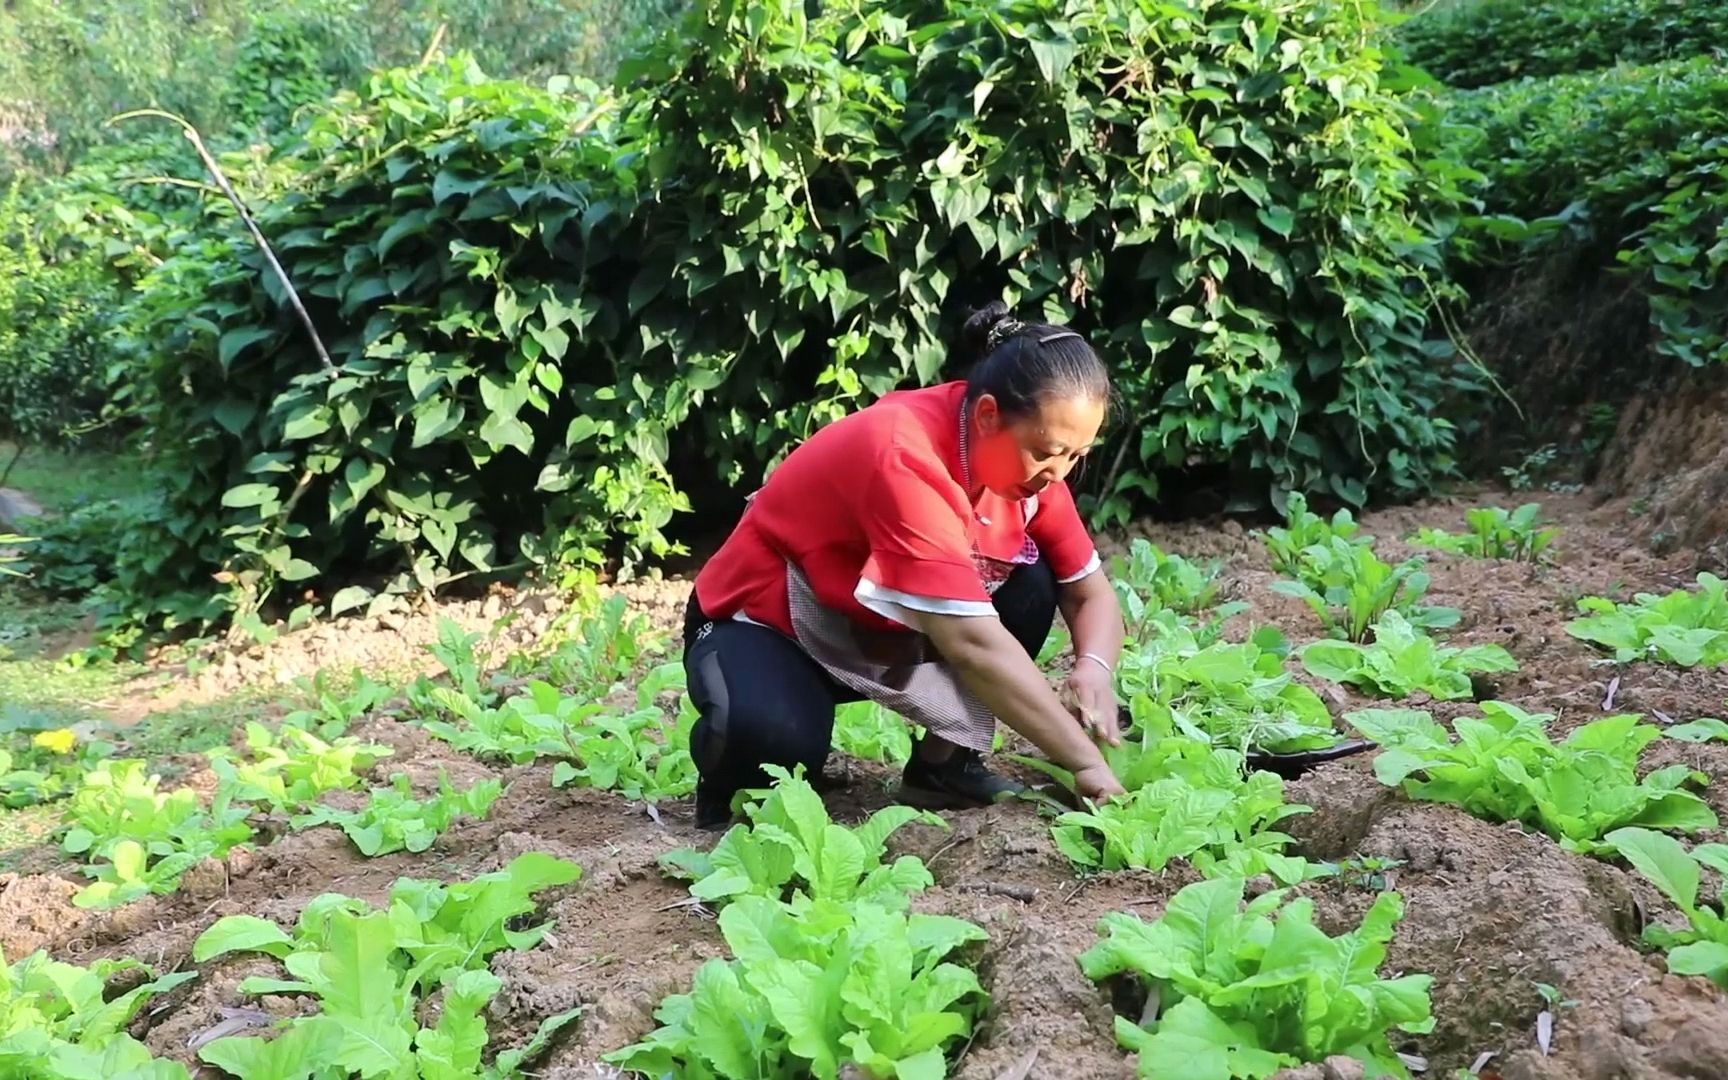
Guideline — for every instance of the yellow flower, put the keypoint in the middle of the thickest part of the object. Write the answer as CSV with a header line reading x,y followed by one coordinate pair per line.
x,y
60,741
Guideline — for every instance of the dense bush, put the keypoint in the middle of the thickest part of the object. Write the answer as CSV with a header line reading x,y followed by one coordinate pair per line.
x,y
528,307
1630,159
1491,41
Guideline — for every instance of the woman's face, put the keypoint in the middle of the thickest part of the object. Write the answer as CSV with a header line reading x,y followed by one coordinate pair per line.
x,y
1017,457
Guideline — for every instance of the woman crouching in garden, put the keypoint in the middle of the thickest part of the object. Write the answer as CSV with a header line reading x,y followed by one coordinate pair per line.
x,y
915,554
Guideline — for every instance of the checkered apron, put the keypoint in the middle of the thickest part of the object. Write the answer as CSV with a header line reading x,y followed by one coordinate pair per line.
x,y
898,670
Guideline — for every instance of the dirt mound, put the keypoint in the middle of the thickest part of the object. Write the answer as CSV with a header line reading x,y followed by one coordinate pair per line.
x,y
1669,458
1573,347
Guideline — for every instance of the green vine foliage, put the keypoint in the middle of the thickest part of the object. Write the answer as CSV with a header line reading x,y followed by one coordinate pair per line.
x,y
1223,196
538,300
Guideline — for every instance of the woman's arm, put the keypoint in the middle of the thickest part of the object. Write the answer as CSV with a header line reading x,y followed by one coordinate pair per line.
x,y
993,665
1094,619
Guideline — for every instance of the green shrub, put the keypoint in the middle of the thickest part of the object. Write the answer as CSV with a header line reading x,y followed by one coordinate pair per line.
x,y
1684,251
1630,160
1493,41
448,279
1610,139
529,309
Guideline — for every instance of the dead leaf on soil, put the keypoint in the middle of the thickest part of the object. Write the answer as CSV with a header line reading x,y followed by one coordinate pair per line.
x,y
235,1021
1544,1030
1482,1059
1020,1069
1414,1062
1608,699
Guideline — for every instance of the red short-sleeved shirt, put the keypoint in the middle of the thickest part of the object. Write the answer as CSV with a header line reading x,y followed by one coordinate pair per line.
x,y
871,509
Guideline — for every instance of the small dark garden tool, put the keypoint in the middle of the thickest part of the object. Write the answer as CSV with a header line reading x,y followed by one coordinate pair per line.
x,y
1289,765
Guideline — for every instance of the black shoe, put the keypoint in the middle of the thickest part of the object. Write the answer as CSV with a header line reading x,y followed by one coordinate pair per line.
x,y
958,783
713,807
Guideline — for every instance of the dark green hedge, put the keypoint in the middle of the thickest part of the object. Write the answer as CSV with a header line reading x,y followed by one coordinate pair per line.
x,y
1491,41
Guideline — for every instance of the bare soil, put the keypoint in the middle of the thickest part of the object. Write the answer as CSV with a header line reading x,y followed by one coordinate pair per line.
x,y
1491,911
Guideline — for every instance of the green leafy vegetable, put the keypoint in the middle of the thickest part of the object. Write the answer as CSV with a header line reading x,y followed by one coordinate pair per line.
x,y
865,730
393,820
289,769
1244,992
1684,628
791,848
56,1022
1705,729
1403,660
1702,948
332,711
1148,582
1203,811
1350,589
1495,534
1503,767
1235,695
635,753
813,987
1303,529
141,840
371,970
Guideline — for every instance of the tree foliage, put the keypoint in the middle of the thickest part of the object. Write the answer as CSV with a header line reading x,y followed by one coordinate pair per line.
x,y
66,66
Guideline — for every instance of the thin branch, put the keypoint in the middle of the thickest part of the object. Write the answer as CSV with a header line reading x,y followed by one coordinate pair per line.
x,y
13,464
175,181
432,49
197,142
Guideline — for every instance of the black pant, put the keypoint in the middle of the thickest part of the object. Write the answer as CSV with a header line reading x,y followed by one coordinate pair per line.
x,y
763,700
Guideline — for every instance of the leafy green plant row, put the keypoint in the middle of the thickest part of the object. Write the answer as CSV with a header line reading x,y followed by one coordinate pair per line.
x,y
1303,529
139,839
394,820
371,971
1243,991
1686,627
636,752
370,975
827,969
1403,661
1503,767
1350,589
1232,694
1185,800
1495,533
518,297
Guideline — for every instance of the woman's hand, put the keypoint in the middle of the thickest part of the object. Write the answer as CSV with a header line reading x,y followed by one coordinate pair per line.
x,y
1098,783
1090,694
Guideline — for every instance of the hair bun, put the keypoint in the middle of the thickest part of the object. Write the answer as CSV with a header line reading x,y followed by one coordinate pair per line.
x,y
986,327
